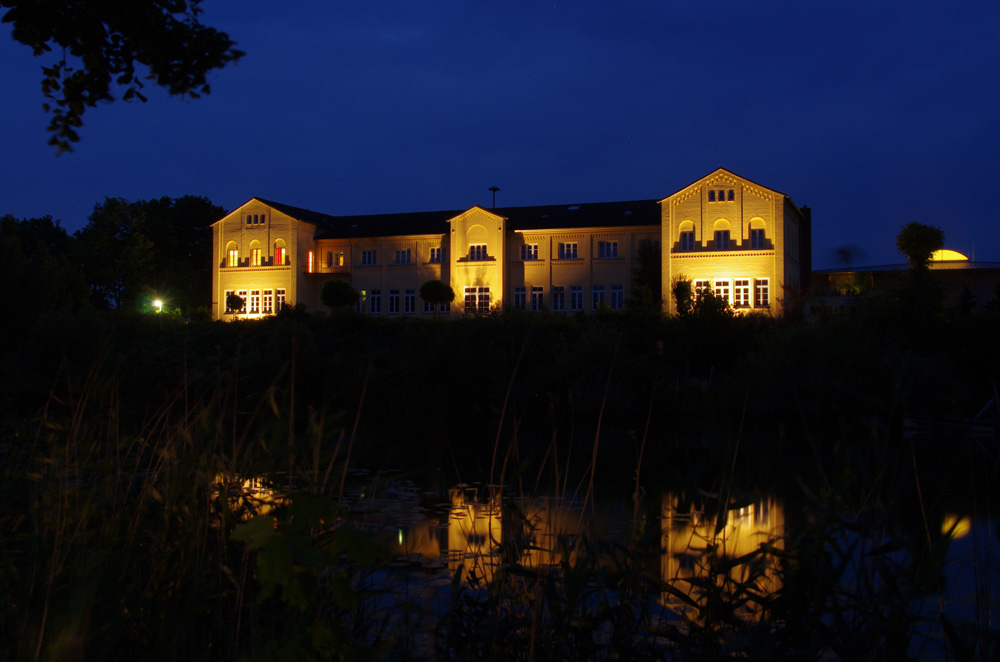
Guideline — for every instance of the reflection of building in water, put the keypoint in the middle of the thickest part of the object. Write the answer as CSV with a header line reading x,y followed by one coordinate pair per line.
x,y
693,542
248,497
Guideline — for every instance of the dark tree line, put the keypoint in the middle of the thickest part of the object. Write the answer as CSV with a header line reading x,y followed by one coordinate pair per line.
x,y
128,254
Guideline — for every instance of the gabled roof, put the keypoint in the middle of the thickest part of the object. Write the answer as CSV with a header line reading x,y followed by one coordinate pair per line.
x,y
723,171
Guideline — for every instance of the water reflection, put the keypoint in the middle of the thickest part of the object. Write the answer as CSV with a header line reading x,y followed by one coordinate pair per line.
x,y
720,550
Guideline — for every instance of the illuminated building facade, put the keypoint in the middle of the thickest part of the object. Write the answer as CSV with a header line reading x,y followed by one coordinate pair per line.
x,y
725,232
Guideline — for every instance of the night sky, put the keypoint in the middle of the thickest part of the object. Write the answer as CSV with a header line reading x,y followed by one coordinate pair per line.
x,y
873,114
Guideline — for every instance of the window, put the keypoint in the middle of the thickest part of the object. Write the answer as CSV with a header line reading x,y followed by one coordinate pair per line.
x,y
477,300
597,292
731,195
537,299
268,305
477,251
310,266
255,257
428,307
376,302
436,255
721,195
338,259
761,295
254,302
445,308
741,293
403,256
701,287
234,257
567,251
368,258
519,298
757,239
279,252
393,302
558,299
687,240
721,289
362,297
529,252
607,249
721,240
711,196
243,295
410,301
617,297
576,298
225,300
279,299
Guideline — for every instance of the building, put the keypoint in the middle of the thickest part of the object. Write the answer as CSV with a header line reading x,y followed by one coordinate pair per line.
x,y
724,232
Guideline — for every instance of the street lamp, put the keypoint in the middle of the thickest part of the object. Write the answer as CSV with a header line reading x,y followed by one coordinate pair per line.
x,y
158,305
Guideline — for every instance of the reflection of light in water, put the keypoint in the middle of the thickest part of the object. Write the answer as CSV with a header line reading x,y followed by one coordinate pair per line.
x,y
248,497
693,543
955,526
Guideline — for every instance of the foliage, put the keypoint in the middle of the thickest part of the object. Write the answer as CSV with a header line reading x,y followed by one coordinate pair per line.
x,y
100,43
647,277
683,294
338,293
234,302
917,242
437,292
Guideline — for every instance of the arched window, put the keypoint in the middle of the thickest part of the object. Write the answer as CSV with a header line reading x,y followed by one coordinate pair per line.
x,y
721,235
280,256
232,255
255,253
687,236
757,234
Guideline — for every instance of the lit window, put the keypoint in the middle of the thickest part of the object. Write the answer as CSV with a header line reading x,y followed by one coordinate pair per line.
x,y
537,299
701,288
403,256
529,252
519,294
225,300
254,302
559,298
279,299
721,240
410,301
687,240
575,298
607,249
567,251
279,253
310,267
597,292
393,301
477,300
234,257
761,294
436,255
741,293
243,295
376,302
268,304
721,290
255,257
338,260
757,239
368,258
617,297
477,251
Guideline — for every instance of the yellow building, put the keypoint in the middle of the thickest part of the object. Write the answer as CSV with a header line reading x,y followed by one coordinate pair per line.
x,y
564,259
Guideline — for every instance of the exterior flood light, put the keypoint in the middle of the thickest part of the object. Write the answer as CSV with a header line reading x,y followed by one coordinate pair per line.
x,y
158,305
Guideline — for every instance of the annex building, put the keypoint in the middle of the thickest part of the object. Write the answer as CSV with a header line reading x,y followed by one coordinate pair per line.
x,y
744,242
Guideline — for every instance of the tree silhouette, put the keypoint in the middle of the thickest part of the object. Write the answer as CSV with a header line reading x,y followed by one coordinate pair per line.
x,y
917,242
100,42
339,294
437,293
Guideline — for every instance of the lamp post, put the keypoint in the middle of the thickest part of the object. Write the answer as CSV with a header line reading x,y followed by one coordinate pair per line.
x,y
494,189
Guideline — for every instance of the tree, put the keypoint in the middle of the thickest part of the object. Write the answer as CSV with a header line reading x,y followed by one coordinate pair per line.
x,y
647,283
115,254
917,242
339,294
683,295
437,293
234,302
101,42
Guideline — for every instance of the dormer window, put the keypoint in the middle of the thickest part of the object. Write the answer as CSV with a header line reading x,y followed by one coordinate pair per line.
x,y
721,195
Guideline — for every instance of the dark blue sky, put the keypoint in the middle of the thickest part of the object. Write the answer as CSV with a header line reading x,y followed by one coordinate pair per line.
x,y
873,114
